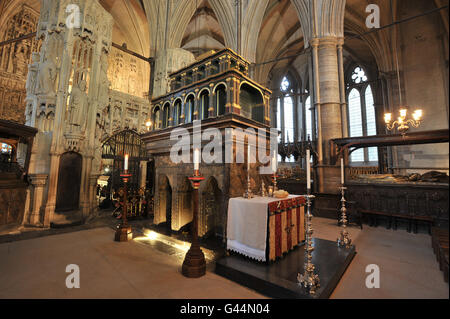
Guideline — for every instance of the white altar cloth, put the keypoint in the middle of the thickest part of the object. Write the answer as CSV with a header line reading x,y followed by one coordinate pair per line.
x,y
247,225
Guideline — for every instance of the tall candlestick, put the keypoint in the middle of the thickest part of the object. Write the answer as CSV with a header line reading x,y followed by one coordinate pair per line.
x,y
196,159
248,156
308,169
342,171
125,166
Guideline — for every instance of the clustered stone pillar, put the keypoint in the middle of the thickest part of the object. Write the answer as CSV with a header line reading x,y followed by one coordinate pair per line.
x,y
344,120
328,105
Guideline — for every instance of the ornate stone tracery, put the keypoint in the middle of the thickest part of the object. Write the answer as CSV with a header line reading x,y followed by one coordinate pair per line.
x,y
14,58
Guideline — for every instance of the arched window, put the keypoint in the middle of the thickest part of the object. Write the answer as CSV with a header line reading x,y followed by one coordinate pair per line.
x,y
189,109
371,123
221,97
166,115
177,115
156,118
361,115
288,119
355,122
204,100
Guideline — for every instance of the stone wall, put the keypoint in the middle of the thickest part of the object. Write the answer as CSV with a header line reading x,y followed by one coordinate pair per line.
x,y
424,77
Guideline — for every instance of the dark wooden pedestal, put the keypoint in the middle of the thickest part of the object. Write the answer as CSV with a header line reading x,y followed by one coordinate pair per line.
x,y
123,233
194,265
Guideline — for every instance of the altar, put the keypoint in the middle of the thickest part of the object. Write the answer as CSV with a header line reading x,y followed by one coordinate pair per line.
x,y
265,228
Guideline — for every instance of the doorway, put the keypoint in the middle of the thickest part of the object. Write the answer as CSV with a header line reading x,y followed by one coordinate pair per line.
x,y
69,182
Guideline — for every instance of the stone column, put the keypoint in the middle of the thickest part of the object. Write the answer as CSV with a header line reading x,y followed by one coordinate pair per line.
x,y
183,109
52,188
228,104
273,111
328,109
195,75
93,191
171,113
267,115
85,196
212,112
38,181
196,106
342,87
236,104
208,69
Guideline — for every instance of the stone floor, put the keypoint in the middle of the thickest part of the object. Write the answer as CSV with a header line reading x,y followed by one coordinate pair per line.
x,y
143,268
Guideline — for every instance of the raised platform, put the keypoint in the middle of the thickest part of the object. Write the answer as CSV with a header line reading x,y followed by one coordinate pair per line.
x,y
279,279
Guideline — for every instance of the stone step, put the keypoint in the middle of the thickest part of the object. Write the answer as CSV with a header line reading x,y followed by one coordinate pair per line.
x,y
67,219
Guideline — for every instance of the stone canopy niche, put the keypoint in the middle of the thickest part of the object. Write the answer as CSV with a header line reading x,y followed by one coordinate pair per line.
x,y
14,60
217,93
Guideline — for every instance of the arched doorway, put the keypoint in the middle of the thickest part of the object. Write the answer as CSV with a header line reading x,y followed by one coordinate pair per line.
x,y
185,203
211,208
165,201
113,157
221,99
252,103
69,182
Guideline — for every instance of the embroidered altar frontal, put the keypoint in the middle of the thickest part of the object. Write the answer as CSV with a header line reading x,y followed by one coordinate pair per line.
x,y
264,228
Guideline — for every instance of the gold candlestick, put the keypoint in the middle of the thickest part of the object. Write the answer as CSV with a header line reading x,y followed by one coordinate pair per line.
x,y
308,279
344,240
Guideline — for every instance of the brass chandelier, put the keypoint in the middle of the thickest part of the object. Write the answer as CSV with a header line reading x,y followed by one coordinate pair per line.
x,y
402,123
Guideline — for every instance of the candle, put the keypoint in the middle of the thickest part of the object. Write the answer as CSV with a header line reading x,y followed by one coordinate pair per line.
x,y
342,171
248,156
196,159
126,162
274,162
308,169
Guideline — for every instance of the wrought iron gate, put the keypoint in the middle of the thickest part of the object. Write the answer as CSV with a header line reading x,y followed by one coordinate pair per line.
x,y
115,148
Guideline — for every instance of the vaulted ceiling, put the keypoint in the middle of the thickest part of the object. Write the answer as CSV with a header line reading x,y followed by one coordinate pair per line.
x,y
271,29
203,32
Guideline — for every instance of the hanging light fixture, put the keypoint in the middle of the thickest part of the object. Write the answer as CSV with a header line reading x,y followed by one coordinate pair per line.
x,y
402,124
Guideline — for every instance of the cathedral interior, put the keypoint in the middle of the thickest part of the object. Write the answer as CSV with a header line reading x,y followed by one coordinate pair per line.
x,y
90,87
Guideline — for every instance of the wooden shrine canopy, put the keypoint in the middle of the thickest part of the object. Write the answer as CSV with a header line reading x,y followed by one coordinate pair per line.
x,y
424,137
14,133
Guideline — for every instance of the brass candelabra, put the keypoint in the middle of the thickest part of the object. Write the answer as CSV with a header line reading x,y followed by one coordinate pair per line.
x,y
402,123
344,240
309,279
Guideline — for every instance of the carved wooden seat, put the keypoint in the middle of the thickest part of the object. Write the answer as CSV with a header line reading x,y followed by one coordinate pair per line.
x,y
374,216
439,242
